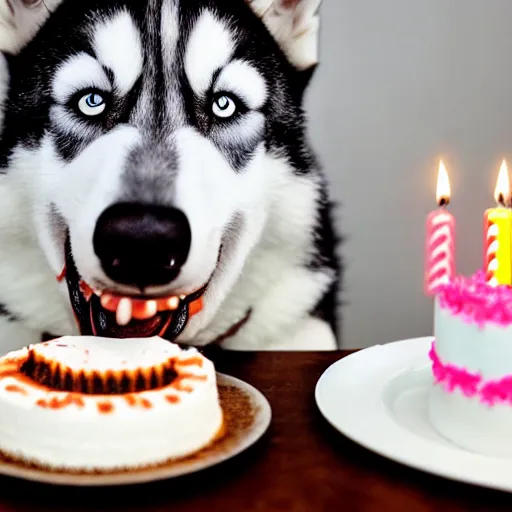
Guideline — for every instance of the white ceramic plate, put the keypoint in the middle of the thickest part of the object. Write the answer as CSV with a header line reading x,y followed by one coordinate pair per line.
x,y
378,398
236,397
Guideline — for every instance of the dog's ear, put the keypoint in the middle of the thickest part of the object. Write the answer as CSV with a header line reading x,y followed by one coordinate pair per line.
x,y
295,25
20,20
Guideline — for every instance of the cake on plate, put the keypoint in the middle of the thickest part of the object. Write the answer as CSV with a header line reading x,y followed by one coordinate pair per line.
x,y
471,400
95,404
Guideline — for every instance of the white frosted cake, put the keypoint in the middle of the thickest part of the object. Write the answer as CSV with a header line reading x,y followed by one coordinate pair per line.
x,y
471,400
92,404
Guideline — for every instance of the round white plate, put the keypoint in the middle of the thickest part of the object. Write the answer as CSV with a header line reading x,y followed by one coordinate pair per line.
x,y
378,398
236,397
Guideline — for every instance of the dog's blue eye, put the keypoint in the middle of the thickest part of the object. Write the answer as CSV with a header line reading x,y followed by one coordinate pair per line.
x,y
92,104
94,100
224,106
223,102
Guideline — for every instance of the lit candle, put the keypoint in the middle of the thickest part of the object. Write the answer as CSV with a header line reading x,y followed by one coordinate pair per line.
x,y
440,240
498,235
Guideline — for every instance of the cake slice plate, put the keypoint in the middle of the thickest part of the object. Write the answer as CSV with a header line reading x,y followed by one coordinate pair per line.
x,y
377,397
247,416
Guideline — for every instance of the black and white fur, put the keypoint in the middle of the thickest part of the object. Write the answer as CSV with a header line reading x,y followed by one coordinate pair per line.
x,y
252,184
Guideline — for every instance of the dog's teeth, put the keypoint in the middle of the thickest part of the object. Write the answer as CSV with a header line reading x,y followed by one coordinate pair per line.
x,y
97,292
183,297
173,303
108,302
151,308
124,311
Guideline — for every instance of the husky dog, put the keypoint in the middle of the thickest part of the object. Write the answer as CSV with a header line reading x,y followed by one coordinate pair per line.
x,y
155,177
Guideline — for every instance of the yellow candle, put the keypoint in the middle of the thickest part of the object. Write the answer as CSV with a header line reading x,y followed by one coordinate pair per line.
x,y
498,234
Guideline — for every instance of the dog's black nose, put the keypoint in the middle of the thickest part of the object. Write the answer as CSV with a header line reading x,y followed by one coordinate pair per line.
x,y
142,245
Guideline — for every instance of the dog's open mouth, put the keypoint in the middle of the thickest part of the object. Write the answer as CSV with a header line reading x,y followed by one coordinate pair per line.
x,y
102,313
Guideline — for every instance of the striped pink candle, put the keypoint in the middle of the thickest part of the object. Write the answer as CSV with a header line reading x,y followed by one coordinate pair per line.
x,y
440,239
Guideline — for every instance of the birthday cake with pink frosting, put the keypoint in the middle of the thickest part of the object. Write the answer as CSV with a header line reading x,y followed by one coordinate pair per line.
x,y
470,402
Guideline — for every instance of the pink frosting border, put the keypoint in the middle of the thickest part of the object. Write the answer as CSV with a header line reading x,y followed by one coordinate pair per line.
x,y
471,384
476,301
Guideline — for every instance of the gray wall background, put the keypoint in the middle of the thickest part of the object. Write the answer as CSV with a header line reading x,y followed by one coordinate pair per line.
x,y
401,83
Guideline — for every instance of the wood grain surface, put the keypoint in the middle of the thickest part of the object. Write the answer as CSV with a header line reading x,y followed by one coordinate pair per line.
x,y
301,465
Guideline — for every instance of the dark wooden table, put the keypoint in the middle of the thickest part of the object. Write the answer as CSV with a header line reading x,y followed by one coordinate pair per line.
x,y
302,464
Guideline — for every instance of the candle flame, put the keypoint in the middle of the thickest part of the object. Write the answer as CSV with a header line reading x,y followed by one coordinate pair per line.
x,y
443,194
502,191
